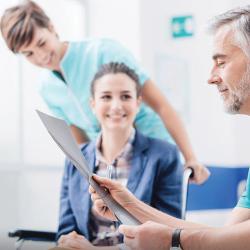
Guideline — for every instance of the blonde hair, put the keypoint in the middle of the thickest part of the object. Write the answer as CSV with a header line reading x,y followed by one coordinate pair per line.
x,y
18,24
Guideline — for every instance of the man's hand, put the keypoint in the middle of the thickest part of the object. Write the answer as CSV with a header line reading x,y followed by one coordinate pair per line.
x,y
148,236
201,173
75,241
121,194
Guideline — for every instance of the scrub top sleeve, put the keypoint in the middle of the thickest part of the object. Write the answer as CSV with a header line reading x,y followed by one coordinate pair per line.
x,y
244,200
56,111
115,52
48,94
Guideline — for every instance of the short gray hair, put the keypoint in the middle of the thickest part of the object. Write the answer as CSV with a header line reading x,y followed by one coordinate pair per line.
x,y
239,20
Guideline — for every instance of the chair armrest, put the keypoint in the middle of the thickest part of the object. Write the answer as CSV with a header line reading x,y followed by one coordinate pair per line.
x,y
33,235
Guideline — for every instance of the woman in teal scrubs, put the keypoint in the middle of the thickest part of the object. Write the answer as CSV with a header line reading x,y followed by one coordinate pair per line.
x,y
27,30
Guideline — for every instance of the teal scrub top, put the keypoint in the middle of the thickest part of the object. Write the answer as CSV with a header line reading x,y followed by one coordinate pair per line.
x,y
244,200
69,99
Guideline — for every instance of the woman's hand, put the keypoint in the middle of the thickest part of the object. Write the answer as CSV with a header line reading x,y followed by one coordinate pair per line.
x,y
201,173
75,241
119,193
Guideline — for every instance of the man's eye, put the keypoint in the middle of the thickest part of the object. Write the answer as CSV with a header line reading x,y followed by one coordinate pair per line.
x,y
220,63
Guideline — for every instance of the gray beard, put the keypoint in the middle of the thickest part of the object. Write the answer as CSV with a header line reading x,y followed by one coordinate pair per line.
x,y
239,96
234,106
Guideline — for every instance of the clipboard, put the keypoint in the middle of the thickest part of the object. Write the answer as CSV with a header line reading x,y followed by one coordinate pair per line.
x,y
61,134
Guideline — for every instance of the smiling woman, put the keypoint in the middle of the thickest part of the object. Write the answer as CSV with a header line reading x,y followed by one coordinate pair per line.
x,y
150,168
45,50
36,40
115,98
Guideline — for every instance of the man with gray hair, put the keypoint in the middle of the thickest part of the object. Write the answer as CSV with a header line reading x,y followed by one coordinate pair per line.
x,y
231,75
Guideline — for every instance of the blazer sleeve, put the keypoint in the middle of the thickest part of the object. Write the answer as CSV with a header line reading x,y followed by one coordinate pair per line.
x,y
168,183
67,221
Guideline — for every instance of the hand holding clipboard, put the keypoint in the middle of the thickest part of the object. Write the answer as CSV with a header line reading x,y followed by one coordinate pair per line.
x,y
61,134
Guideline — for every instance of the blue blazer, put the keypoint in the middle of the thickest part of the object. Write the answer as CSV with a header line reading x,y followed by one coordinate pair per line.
x,y
155,178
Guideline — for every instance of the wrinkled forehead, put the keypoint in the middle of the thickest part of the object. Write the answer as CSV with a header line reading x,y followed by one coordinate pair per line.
x,y
223,38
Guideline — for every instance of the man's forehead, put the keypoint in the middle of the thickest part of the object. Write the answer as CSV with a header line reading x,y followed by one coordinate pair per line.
x,y
223,37
224,44
219,56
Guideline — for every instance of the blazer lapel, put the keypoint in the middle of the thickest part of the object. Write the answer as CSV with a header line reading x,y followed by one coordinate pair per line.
x,y
138,161
89,154
85,201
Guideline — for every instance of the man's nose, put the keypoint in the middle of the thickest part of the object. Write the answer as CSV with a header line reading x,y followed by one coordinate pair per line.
x,y
214,79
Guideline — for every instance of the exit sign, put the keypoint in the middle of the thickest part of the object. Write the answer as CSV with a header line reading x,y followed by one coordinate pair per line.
x,y
182,26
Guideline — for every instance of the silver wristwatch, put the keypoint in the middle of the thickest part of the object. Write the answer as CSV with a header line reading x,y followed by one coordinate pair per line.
x,y
176,244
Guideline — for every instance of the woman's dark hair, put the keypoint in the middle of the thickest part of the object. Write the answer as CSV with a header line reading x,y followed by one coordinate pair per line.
x,y
116,68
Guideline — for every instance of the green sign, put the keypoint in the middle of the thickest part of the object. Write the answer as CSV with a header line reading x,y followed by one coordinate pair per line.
x,y
182,26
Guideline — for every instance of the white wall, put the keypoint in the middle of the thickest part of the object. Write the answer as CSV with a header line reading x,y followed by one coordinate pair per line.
x,y
117,19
